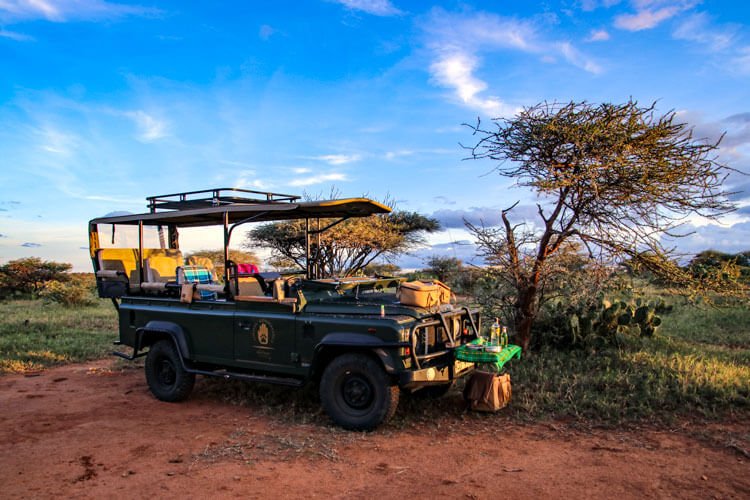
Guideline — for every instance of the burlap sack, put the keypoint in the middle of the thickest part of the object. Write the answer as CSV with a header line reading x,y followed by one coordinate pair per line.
x,y
487,391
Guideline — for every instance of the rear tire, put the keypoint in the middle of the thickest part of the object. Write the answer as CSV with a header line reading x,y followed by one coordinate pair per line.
x,y
165,375
356,394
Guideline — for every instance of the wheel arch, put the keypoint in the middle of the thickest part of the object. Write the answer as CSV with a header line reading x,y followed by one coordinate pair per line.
x,y
155,331
336,344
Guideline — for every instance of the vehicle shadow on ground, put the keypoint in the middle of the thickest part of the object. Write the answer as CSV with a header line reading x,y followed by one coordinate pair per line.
x,y
302,405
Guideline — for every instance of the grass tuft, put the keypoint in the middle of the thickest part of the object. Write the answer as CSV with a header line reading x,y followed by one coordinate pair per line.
x,y
35,334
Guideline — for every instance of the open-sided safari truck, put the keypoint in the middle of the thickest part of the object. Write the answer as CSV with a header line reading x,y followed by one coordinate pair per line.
x,y
352,335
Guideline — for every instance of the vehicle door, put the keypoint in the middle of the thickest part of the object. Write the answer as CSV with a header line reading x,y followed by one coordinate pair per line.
x,y
264,336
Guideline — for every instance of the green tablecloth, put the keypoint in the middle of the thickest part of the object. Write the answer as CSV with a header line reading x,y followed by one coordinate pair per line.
x,y
497,359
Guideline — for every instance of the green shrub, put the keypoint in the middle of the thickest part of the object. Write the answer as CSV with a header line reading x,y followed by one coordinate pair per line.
x,y
71,293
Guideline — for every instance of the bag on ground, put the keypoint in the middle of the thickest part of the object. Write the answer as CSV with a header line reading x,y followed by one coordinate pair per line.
x,y
487,391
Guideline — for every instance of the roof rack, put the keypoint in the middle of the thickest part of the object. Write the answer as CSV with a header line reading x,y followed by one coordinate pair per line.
x,y
215,198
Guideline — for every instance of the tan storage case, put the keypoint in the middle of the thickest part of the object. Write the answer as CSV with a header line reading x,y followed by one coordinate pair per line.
x,y
419,294
445,294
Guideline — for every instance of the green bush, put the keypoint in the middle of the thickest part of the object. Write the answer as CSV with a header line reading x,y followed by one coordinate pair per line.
x,y
71,293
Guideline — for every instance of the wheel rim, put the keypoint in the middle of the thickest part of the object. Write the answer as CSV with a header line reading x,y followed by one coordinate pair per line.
x,y
166,373
357,392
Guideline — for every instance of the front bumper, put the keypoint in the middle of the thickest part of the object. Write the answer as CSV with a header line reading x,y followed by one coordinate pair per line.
x,y
434,375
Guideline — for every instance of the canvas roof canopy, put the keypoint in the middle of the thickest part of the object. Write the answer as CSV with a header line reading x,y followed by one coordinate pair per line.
x,y
253,212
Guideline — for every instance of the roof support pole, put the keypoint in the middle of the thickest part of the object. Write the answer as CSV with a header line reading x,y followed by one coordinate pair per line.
x,y
318,273
140,250
226,246
307,249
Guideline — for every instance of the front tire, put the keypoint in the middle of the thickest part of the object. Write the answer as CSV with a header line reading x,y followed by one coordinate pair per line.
x,y
356,394
165,375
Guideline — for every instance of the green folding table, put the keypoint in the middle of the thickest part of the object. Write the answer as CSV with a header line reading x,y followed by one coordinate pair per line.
x,y
495,359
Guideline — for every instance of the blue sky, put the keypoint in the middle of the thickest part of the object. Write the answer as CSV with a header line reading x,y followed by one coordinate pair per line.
x,y
105,103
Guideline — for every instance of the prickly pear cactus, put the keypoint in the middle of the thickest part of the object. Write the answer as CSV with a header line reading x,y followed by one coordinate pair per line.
x,y
647,320
604,319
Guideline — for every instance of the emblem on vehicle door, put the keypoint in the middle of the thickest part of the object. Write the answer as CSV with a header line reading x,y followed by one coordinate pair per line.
x,y
263,332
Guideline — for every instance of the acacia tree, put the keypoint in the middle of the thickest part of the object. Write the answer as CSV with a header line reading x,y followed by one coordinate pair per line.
x,y
347,247
445,268
614,177
28,275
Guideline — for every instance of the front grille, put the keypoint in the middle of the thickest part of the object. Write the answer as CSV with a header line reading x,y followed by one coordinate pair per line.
x,y
431,338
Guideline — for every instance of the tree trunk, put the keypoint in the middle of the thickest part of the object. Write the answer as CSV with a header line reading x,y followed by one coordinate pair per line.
x,y
525,314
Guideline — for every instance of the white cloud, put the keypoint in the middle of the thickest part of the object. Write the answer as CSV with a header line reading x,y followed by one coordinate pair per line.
x,y
317,179
235,163
374,7
339,159
56,141
456,71
589,5
129,201
645,19
390,155
301,170
20,37
598,36
247,180
69,10
650,13
742,62
456,41
729,239
149,128
576,58
449,32
697,28
265,32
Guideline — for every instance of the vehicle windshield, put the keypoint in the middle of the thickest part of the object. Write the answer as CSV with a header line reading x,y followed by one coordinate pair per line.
x,y
348,289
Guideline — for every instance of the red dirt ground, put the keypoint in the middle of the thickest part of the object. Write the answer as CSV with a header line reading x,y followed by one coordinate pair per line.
x,y
91,431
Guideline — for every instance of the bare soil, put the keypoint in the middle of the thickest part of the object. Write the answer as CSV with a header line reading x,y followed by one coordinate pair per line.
x,y
93,430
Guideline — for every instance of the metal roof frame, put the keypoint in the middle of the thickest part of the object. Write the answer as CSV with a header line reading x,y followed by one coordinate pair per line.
x,y
257,212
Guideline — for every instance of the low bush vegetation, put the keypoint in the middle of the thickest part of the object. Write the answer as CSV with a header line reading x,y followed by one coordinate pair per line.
x,y
77,291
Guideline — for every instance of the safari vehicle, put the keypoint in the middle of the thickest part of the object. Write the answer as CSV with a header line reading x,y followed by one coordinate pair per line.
x,y
350,335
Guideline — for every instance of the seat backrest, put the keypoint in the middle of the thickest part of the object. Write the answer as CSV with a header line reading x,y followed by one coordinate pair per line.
x,y
160,269
120,259
249,286
172,253
278,289
196,274
196,260
160,264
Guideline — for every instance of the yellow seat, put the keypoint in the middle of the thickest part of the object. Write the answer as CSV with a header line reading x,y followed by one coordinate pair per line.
x,y
123,260
161,269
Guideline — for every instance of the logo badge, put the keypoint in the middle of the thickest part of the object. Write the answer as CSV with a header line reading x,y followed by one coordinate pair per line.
x,y
263,332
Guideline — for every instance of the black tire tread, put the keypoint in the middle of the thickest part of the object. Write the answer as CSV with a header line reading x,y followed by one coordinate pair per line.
x,y
365,364
184,380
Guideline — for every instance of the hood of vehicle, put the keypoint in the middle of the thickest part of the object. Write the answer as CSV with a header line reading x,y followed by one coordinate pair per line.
x,y
372,306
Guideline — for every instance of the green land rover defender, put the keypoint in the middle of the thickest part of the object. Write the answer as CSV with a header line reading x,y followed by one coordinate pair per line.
x,y
352,336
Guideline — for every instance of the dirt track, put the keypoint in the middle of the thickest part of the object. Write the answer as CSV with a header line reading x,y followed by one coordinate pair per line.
x,y
86,431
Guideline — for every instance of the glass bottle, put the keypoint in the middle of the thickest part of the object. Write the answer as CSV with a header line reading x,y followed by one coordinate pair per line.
x,y
504,337
495,333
